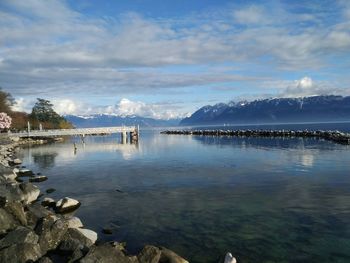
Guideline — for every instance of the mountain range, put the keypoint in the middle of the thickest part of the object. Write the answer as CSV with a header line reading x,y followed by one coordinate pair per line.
x,y
306,109
105,120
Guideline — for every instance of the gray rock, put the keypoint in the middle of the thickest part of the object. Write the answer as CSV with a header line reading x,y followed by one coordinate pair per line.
x,y
229,258
50,202
35,213
16,161
91,235
51,232
8,177
149,254
107,253
74,239
168,256
66,205
11,191
45,260
74,222
30,192
17,211
18,236
7,222
24,252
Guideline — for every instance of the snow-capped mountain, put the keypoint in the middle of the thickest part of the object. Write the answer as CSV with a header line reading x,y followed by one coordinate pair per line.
x,y
104,120
306,109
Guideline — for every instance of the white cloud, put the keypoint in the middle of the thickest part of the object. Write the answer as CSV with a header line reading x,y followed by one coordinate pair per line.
x,y
66,106
124,107
50,49
307,87
22,104
251,15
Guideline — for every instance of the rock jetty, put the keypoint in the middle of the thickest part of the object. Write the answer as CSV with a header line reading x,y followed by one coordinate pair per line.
x,y
34,231
334,136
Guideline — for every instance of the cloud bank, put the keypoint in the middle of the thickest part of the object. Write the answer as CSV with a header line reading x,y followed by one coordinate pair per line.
x,y
51,50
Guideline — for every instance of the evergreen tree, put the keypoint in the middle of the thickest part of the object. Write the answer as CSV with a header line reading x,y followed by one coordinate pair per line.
x,y
43,111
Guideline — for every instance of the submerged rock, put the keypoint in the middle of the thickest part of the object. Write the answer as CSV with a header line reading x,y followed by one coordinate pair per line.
x,y
50,190
37,179
66,205
25,172
107,231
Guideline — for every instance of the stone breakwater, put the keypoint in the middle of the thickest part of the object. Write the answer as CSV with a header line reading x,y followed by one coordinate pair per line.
x,y
36,228
334,136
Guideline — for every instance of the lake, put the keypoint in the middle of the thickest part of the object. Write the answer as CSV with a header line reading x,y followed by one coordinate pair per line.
x,y
262,199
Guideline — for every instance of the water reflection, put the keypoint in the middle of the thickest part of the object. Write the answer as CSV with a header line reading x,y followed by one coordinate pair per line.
x,y
44,159
265,200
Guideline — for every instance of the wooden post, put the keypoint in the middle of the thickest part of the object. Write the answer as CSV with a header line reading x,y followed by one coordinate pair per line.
x,y
123,137
28,126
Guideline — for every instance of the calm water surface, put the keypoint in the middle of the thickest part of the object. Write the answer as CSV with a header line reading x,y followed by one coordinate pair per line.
x,y
264,200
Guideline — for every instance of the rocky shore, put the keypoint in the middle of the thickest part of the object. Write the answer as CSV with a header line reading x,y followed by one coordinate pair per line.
x,y
334,136
36,228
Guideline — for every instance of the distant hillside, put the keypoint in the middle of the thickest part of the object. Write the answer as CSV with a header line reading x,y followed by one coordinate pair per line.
x,y
103,120
308,109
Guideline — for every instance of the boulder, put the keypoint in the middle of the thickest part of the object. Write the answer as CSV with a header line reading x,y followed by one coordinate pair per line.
x,y
229,258
45,260
18,236
38,179
91,235
168,256
107,253
149,254
66,205
25,252
30,192
7,222
51,232
73,240
8,177
35,212
17,211
74,222
15,161
50,202
11,191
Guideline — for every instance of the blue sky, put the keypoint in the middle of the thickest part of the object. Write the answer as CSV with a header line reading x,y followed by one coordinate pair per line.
x,y
165,59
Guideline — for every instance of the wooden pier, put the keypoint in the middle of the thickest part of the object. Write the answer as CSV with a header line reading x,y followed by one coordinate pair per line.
x,y
123,130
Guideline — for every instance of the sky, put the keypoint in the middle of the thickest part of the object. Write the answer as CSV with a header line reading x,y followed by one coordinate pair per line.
x,y
166,58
